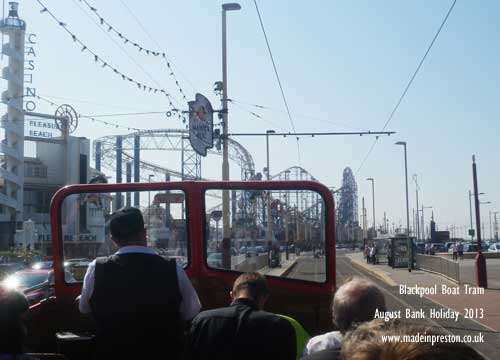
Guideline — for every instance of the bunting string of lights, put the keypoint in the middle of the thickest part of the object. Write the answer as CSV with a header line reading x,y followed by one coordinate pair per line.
x,y
142,49
105,64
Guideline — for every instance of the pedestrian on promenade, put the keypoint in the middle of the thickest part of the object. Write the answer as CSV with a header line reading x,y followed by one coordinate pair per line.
x,y
460,250
367,253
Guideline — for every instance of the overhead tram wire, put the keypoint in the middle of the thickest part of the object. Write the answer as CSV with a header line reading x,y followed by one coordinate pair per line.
x,y
391,116
97,58
278,78
142,49
260,117
346,125
123,50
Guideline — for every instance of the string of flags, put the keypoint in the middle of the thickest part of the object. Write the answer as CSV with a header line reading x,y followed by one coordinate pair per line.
x,y
126,40
99,60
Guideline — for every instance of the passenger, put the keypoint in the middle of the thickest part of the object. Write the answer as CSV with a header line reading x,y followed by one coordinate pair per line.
x,y
370,342
138,299
243,330
354,302
13,331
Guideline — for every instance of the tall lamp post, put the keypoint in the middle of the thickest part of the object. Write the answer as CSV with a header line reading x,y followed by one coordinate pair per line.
x,y
416,196
424,235
410,245
225,152
373,202
481,275
496,225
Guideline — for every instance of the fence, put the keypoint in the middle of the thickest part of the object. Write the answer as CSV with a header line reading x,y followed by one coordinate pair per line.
x,y
440,265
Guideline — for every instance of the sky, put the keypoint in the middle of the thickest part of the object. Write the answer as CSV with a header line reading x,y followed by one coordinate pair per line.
x,y
343,66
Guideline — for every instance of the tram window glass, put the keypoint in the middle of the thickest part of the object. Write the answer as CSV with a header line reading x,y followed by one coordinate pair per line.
x,y
291,245
85,225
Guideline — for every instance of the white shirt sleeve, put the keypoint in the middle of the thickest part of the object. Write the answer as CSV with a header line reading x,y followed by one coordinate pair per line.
x,y
87,289
190,304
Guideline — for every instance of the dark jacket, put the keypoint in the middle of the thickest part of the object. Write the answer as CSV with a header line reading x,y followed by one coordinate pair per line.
x,y
241,331
135,303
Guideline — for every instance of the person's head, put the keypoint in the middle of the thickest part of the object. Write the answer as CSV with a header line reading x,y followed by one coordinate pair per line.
x,y
127,227
369,341
251,285
356,302
13,307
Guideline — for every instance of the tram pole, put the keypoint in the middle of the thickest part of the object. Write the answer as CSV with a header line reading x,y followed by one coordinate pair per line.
x,y
481,275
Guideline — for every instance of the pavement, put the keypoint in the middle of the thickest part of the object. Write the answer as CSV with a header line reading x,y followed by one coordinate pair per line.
x,y
489,301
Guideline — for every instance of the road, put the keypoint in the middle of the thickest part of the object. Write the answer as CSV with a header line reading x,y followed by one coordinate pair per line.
x,y
490,348
467,272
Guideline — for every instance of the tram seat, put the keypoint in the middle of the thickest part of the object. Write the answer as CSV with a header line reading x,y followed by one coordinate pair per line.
x,y
48,356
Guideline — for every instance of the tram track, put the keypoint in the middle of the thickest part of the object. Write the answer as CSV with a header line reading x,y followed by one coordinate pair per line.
x,y
490,348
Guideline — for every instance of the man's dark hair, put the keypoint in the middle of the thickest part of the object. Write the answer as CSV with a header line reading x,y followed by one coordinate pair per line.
x,y
253,283
13,304
126,223
356,302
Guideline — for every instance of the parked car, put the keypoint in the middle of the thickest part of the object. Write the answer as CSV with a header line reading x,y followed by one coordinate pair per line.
x,y
77,261
472,246
215,260
494,247
41,265
10,268
260,249
36,284
437,248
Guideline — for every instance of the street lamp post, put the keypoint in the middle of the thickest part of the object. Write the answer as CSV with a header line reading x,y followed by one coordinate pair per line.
x,y
373,202
481,275
225,149
417,219
410,245
424,235
496,225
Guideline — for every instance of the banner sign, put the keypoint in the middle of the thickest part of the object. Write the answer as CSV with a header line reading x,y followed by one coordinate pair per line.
x,y
29,67
40,128
201,125
400,252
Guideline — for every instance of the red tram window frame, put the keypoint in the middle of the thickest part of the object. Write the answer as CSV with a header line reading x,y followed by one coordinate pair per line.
x,y
197,268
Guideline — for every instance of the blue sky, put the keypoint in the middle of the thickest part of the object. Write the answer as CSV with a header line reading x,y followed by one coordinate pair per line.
x,y
343,62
